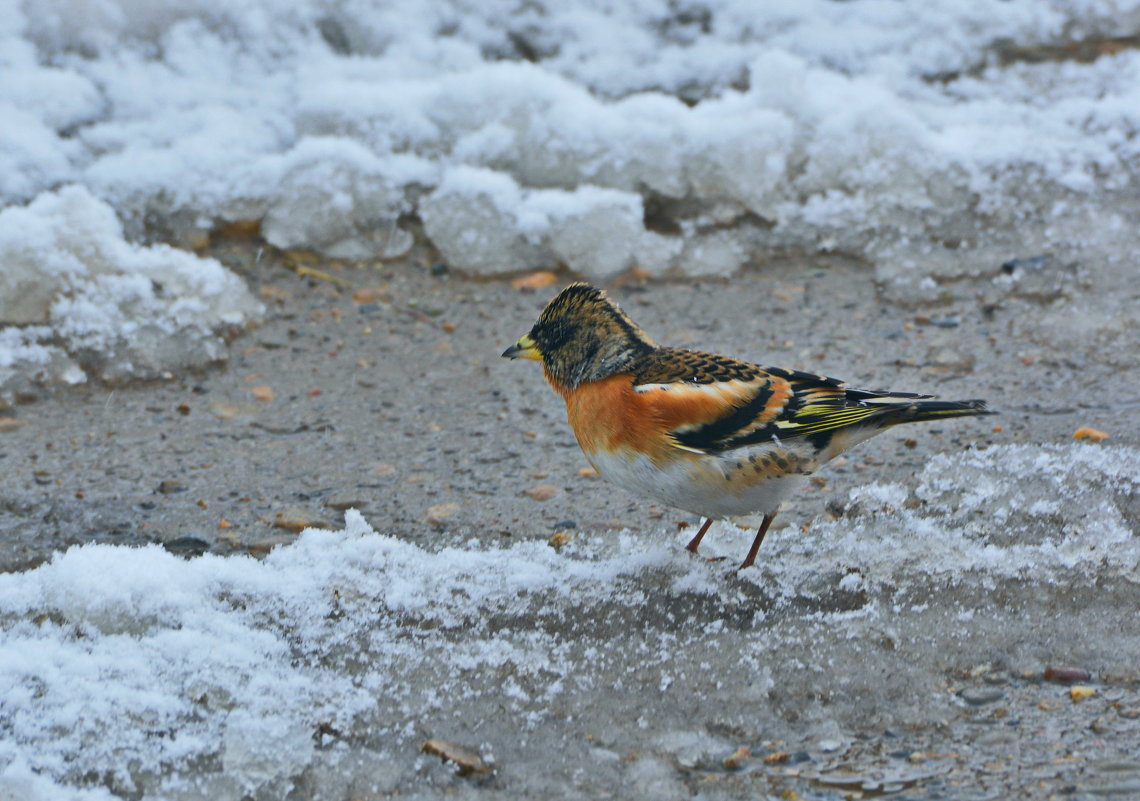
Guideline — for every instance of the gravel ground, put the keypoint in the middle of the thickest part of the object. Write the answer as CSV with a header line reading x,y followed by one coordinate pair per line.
x,y
387,394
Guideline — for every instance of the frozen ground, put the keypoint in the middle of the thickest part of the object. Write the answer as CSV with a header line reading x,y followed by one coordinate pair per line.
x,y
936,197
895,634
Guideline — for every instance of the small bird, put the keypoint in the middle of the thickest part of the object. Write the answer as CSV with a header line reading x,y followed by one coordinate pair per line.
x,y
710,434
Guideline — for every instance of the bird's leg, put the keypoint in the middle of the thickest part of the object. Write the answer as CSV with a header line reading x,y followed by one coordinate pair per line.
x,y
748,560
695,542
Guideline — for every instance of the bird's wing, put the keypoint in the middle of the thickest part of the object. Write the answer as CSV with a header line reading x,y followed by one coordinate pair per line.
x,y
710,403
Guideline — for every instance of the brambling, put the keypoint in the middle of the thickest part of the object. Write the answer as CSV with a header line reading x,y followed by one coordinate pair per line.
x,y
710,434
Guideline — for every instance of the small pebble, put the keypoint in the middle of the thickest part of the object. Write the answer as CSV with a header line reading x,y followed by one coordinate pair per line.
x,y
1080,692
1066,675
298,520
186,546
980,696
541,492
440,513
738,758
1090,433
534,281
371,295
559,539
342,501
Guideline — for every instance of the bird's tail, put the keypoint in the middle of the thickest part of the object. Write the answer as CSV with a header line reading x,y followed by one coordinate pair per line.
x,y
920,410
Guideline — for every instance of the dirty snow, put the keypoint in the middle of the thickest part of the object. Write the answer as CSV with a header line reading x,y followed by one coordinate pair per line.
x,y
139,672
692,139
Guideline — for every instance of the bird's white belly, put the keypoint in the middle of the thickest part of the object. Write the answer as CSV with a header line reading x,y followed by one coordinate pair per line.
x,y
707,485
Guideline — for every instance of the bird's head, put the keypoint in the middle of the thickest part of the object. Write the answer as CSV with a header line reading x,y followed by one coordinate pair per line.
x,y
581,336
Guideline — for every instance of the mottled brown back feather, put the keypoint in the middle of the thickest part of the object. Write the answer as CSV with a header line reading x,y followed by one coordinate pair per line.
x,y
666,365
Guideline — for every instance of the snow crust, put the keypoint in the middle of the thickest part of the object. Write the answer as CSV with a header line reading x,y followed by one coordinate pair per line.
x,y
690,139
858,127
89,302
135,672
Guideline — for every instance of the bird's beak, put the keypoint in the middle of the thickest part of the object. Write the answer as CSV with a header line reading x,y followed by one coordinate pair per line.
x,y
525,348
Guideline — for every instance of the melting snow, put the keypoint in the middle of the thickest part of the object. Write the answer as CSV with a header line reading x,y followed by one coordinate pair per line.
x,y
211,678
688,140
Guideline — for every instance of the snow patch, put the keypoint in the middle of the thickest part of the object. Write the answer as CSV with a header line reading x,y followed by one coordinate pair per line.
x,y
229,677
672,139
485,223
92,304
870,128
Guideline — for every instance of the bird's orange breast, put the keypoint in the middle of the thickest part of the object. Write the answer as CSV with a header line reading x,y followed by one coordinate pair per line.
x,y
610,415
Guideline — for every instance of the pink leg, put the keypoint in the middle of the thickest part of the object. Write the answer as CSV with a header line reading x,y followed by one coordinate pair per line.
x,y
748,560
